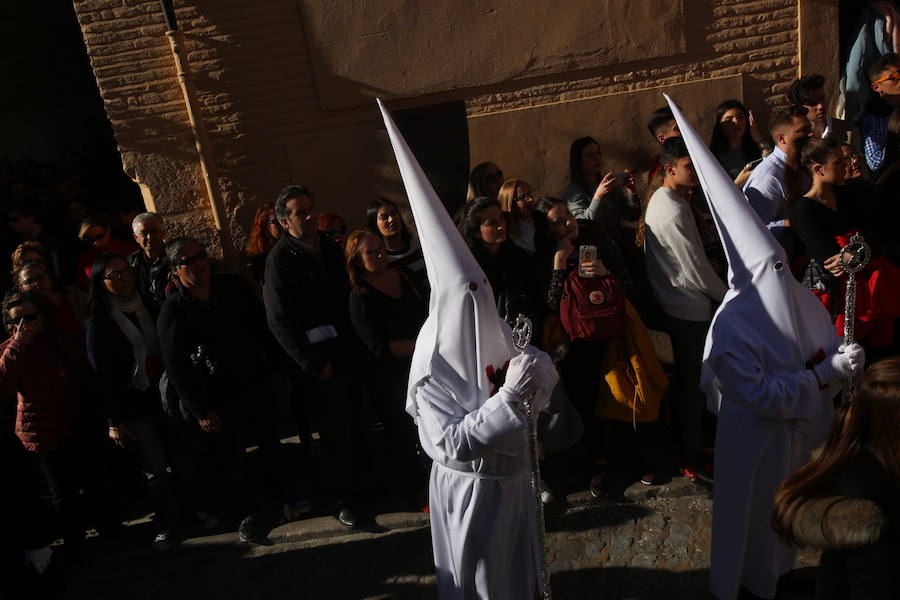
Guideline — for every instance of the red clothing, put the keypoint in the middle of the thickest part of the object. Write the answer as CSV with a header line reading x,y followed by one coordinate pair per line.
x,y
877,300
89,256
65,318
48,376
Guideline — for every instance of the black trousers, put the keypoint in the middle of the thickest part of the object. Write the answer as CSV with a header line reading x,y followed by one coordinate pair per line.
x,y
336,409
203,461
688,403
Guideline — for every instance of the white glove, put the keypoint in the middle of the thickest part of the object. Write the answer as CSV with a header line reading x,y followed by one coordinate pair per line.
x,y
523,375
38,559
549,379
846,362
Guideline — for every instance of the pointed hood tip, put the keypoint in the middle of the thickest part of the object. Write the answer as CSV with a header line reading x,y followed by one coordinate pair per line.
x,y
746,240
463,338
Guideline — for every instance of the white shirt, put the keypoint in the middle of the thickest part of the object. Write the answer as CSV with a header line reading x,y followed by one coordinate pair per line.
x,y
682,279
766,189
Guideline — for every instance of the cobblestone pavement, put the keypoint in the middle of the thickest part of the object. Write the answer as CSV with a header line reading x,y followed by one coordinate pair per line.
x,y
653,543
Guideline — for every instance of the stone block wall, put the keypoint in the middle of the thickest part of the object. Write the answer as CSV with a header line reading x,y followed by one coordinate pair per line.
x,y
283,102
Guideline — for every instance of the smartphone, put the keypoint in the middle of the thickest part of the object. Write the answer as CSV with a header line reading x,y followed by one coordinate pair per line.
x,y
752,164
586,254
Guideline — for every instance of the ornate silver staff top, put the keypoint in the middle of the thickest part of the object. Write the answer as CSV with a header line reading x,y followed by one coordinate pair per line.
x,y
853,258
522,331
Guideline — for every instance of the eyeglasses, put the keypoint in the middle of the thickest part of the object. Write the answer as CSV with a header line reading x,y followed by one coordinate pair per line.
x,y
528,196
272,221
95,238
189,261
335,231
118,275
34,279
895,76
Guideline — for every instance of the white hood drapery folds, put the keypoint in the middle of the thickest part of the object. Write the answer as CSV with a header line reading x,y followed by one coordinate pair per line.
x,y
773,311
463,344
772,411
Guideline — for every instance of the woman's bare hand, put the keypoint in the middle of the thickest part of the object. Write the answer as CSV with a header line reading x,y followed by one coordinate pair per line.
x,y
120,435
833,266
607,184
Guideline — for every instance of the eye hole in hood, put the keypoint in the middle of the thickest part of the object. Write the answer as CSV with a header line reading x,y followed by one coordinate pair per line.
x,y
778,265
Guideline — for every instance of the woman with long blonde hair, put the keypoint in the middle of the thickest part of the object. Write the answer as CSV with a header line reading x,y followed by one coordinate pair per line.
x,y
517,200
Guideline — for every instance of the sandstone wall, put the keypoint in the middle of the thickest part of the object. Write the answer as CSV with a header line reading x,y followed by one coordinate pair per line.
x,y
286,86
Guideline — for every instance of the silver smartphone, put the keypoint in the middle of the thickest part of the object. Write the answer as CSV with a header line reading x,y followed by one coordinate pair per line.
x,y
586,254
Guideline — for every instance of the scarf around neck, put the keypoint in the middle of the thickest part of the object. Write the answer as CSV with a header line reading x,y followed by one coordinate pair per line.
x,y
143,340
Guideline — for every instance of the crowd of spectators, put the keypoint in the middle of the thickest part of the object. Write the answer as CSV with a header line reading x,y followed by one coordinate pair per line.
x,y
122,340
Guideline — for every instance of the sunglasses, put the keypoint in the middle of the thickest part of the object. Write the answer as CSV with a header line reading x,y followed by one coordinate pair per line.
x,y
895,76
118,275
272,221
498,175
95,238
335,231
29,318
189,261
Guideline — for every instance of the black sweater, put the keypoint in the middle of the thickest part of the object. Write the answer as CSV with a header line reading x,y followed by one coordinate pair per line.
x,y
304,291
379,318
231,329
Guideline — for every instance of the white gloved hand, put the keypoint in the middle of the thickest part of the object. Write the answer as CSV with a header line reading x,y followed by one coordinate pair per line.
x,y
549,378
38,559
846,362
523,375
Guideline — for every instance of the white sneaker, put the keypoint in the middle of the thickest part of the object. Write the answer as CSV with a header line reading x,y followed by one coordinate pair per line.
x,y
163,541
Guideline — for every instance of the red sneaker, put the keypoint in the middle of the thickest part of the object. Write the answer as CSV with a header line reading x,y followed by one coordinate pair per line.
x,y
695,473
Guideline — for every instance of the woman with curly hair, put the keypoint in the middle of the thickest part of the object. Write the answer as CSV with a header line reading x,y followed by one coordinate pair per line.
x,y
332,225
71,303
265,232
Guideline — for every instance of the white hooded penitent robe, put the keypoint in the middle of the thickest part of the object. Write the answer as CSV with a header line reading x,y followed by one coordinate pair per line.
x,y
480,498
483,522
771,412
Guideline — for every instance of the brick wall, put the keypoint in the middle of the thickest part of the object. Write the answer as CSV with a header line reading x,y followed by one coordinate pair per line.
x,y
257,89
757,38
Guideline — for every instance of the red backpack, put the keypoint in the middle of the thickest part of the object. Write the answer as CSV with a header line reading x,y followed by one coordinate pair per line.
x,y
592,308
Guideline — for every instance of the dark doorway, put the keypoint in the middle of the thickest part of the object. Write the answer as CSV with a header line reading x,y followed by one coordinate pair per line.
x,y
438,136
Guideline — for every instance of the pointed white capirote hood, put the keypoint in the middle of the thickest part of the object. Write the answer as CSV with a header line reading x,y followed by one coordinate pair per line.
x,y
464,344
766,309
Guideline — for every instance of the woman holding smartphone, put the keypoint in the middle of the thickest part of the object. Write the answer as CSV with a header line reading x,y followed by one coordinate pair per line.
x,y
563,245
